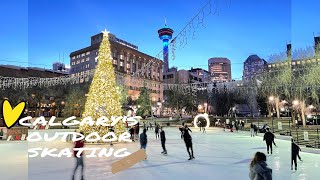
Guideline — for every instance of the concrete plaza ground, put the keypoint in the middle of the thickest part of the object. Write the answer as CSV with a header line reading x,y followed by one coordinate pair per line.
x,y
218,155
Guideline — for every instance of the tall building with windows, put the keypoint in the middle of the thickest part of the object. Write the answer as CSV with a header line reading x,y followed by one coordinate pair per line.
x,y
127,59
252,66
220,69
204,74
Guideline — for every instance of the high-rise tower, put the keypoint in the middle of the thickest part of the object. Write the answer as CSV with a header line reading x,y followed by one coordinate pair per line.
x,y
165,34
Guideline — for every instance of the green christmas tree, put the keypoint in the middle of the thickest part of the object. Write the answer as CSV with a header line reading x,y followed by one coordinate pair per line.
x,y
103,98
144,102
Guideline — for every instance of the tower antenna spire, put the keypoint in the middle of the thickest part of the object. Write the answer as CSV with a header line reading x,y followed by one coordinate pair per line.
x,y
165,21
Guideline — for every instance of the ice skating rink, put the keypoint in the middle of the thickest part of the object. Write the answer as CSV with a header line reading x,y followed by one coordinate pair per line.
x,y
218,155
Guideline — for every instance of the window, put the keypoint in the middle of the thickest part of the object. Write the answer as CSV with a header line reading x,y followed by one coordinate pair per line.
x,y
82,60
88,53
114,54
83,54
78,61
134,61
121,63
87,59
115,61
121,56
128,65
96,53
74,57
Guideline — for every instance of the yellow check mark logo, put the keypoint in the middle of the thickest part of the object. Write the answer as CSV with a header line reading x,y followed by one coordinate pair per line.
x,y
11,115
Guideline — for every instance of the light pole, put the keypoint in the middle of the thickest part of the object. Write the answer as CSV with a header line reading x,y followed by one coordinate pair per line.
x,y
205,107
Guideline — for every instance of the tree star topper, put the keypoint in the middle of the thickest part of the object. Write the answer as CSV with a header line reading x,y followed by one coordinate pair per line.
x,y
105,32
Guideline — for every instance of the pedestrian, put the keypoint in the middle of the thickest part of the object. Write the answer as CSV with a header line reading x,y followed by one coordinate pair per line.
x,y
231,127
269,138
111,130
79,157
255,128
156,130
181,128
294,154
259,169
144,125
163,141
200,124
242,125
237,126
203,128
138,129
132,133
150,126
252,130
188,141
143,139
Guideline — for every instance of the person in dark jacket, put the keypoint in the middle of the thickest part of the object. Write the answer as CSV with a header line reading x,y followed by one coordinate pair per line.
x,y
188,140
156,130
163,141
132,133
294,154
259,169
252,130
181,128
138,128
255,129
269,138
143,139
78,144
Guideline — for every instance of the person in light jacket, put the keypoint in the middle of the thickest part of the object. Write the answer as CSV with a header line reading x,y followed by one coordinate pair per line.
x,y
259,169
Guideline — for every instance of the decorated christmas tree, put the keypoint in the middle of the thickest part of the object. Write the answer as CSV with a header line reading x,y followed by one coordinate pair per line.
x,y
103,97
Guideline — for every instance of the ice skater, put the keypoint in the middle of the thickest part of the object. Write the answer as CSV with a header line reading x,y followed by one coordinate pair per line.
x,y
200,125
181,128
163,141
156,130
188,141
79,157
259,168
252,129
204,129
138,130
143,139
294,154
269,138
132,133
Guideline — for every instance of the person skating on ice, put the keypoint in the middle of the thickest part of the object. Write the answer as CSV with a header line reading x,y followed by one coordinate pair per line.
x,y
181,128
156,130
269,138
203,128
188,141
143,139
79,157
259,169
294,154
252,129
163,140
132,133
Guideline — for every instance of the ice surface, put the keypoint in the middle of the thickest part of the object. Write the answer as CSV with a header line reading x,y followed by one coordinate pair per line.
x,y
219,155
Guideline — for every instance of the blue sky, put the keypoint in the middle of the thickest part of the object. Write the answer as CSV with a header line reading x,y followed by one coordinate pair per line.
x,y
37,31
